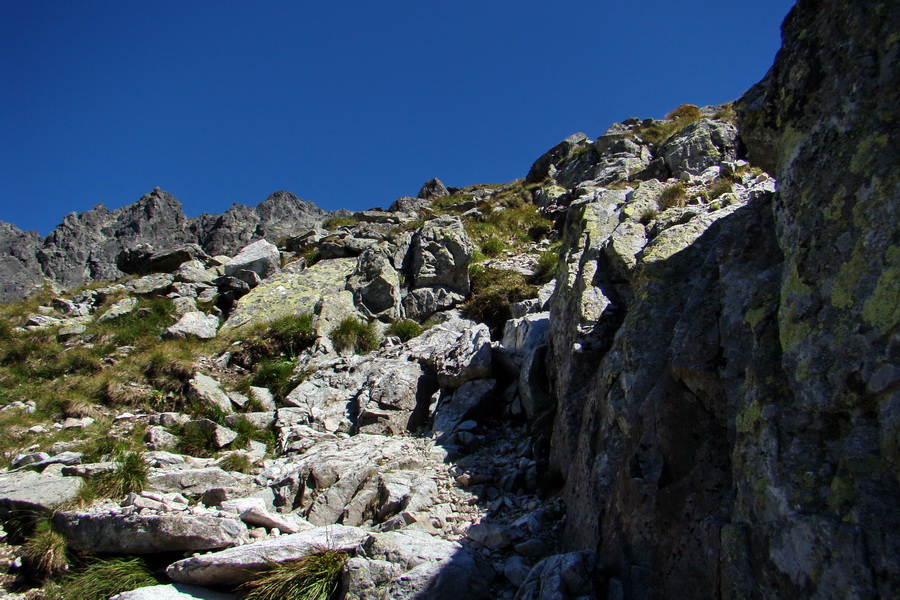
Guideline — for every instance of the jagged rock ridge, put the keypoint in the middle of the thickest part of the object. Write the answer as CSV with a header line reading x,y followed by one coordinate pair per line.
x,y
104,245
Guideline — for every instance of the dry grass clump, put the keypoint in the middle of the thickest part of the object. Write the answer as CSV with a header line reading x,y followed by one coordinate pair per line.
x,y
313,577
673,196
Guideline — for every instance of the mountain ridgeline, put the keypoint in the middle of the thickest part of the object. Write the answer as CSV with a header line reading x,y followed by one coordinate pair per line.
x,y
664,364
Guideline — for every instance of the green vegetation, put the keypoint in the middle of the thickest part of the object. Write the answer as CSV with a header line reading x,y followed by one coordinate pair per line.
x,y
547,262
248,432
277,374
236,461
658,133
648,216
492,247
102,579
673,196
44,553
720,187
129,476
313,577
338,222
493,290
353,334
405,329
196,441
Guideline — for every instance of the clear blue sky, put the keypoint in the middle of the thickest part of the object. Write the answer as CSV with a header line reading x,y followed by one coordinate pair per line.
x,y
347,104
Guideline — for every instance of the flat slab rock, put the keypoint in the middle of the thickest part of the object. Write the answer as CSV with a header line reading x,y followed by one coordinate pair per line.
x,y
27,490
173,592
238,565
147,534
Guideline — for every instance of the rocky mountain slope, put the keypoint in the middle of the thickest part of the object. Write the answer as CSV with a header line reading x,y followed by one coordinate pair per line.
x,y
103,245
646,370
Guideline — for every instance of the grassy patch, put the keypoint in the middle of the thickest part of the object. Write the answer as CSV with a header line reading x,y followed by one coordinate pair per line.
x,y
236,461
673,196
720,187
247,433
493,290
277,374
338,222
658,132
356,335
314,577
546,264
405,329
102,579
44,553
129,476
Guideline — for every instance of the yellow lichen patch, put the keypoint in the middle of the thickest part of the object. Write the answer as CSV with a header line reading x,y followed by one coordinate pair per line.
x,y
791,329
843,288
882,308
746,420
754,316
862,158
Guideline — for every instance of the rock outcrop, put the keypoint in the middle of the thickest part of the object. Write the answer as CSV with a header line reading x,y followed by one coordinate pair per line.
x,y
728,406
149,235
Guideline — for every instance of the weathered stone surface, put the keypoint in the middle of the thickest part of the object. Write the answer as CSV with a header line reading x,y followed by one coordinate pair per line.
x,y
30,491
156,284
547,164
700,145
293,293
122,307
440,255
148,534
422,303
193,324
238,565
20,271
196,482
433,189
195,271
560,577
262,258
176,591
376,284
468,358
457,407
207,390
412,564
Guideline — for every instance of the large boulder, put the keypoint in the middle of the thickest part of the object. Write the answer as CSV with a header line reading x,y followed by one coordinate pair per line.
x,y
433,189
700,145
440,255
260,257
148,534
239,565
547,164
176,591
293,292
29,491
193,324
376,284
412,564
20,271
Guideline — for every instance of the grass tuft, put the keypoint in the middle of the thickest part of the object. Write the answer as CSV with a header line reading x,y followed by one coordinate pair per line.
x,y
105,578
44,553
313,577
493,290
673,196
332,223
356,335
405,329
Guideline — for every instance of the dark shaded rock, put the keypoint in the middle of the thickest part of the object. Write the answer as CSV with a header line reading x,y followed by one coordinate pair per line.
x,y
20,271
546,165
433,189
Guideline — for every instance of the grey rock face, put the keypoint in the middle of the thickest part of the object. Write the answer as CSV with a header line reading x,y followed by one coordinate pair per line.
x,y
441,252
433,189
546,165
147,534
175,591
194,324
20,271
238,565
700,145
30,491
411,564
260,257
150,235
279,215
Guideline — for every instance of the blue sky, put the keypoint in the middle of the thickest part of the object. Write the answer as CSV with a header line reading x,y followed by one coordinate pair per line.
x,y
347,104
